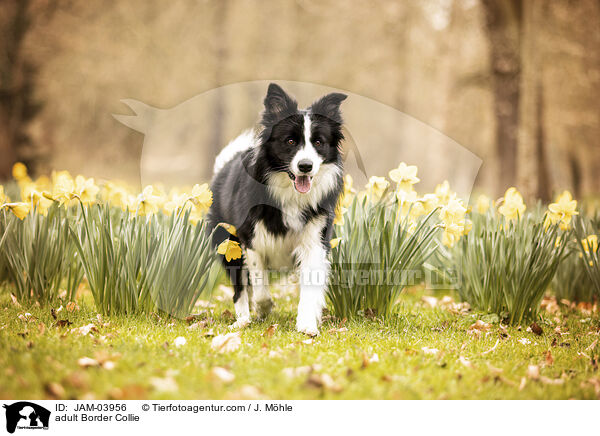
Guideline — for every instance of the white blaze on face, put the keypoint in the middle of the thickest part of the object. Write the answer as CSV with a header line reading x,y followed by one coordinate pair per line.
x,y
307,152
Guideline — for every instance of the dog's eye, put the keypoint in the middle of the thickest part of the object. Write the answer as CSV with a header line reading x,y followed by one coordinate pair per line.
x,y
318,143
291,142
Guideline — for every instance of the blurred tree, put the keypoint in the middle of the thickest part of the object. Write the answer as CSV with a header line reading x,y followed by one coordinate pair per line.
x,y
18,105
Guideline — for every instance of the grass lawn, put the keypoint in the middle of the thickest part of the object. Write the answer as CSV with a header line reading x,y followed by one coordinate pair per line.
x,y
423,353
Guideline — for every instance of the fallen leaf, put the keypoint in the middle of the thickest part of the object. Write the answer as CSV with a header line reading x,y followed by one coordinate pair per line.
x,y
432,351
63,323
270,330
222,375
86,362
25,316
227,343
179,341
429,301
525,341
72,306
164,384
323,381
533,372
55,390
551,381
535,328
85,330
14,300
480,325
337,330
465,362
549,358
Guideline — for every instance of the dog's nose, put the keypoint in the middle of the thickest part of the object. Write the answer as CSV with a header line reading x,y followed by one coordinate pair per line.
x,y
305,166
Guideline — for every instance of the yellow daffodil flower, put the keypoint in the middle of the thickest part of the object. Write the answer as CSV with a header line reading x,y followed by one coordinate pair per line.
x,y
512,206
86,190
19,171
63,187
562,211
334,242
3,197
230,249
590,244
147,202
405,176
201,197
483,204
429,202
21,210
443,193
230,228
376,187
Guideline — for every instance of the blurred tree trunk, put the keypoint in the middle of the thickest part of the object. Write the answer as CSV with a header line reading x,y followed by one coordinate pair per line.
x,y
532,173
16,85
503,27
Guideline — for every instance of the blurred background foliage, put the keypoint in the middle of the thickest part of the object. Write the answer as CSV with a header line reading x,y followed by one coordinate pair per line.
x,y
515,82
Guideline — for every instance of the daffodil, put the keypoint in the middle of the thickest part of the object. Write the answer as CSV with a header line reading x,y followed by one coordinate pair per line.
x,y
63,187
21,210
19,171
453,212
443,193
512,206
147,202
429,202
590,244
334,242
41,200
348,194
201,197
483,204
405,176
3,197
562,211
176,203
340,210
452,234
376,187
407,203
230,249
86,190
229,227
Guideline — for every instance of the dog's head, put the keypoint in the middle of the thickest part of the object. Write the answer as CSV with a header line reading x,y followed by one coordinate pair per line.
x,y
301,141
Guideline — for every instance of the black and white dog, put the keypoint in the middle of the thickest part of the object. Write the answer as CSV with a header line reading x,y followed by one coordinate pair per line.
x,y
279,186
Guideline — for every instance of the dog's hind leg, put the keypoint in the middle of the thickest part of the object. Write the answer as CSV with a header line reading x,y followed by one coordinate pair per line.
x,y
258,278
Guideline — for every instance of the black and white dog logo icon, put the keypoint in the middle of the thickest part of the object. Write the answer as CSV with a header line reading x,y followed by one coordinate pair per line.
x,y
26,415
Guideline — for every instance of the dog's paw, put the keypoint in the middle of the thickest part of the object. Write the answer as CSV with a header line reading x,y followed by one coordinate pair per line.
x,y
263,307
240,323
309,329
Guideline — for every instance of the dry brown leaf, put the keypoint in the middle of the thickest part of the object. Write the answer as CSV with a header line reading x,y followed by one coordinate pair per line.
x,y
549,358
323,381
535,328
550,305
523,383
429,301
227,343
338,330
85,330
55,390
533,372
72,306
164,384
63,323
14,300
222,375
432,351
465,362
551,381
86,362
480,326
270,330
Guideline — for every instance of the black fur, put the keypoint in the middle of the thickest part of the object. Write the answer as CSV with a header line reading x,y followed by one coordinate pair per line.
x,y
240,193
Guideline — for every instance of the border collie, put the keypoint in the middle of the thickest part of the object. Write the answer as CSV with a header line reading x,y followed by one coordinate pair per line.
x,y
279,186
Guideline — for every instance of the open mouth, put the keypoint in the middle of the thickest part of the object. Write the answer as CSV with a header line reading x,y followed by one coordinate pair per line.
x,y
301,183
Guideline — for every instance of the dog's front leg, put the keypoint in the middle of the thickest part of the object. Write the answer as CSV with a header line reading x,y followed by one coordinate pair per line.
x,y
314,273
258,278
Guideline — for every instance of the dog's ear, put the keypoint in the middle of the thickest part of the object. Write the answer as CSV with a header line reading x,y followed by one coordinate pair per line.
x,y
278,103
329,106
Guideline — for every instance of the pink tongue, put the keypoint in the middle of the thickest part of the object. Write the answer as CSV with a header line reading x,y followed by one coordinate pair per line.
x,y
302,184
